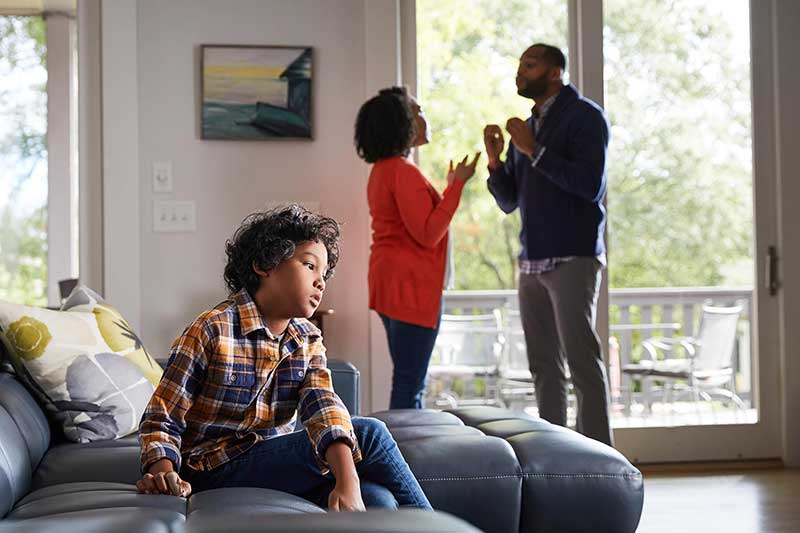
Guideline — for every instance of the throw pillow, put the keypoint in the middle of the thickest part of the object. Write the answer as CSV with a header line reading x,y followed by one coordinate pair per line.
x,y
93,391
115,330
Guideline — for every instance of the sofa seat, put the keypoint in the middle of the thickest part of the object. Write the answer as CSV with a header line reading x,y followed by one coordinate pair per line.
x,y
88,496
67,487
112,460
506,471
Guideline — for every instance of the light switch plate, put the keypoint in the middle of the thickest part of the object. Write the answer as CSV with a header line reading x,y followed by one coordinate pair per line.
x,y
170,215
162,176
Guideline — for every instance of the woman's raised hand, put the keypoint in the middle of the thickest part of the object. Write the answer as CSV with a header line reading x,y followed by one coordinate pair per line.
x,y
463,170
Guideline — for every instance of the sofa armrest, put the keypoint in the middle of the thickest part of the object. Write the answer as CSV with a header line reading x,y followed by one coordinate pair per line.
x,y
345,378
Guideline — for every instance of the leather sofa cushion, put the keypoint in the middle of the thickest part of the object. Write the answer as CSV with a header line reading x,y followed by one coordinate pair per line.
x,y
71,497
27,415
67,463
401,521
118,520
246,503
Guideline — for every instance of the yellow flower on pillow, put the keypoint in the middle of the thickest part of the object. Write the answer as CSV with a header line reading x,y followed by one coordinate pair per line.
x,y
121,338
29,337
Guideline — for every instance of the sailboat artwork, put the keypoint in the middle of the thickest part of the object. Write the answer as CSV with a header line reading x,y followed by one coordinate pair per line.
x,y
256,92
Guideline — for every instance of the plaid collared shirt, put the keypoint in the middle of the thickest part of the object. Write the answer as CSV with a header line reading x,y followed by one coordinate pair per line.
x,y
230,383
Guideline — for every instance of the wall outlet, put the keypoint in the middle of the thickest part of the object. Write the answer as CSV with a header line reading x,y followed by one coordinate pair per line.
x,y
169,215
162,176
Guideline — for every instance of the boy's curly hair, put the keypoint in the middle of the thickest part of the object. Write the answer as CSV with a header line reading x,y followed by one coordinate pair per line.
x,y
266,239
385,125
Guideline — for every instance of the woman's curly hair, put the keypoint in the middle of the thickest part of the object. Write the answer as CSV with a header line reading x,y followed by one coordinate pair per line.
x,y
266,239
385,125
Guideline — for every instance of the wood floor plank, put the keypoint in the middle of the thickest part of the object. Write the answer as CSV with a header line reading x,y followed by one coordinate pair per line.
x,y
758,501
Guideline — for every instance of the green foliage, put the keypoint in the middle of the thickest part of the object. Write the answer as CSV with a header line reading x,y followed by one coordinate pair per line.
x,y
23,113
468,53
679,167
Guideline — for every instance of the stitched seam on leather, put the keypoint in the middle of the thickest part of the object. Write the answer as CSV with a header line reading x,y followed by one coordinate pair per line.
x,y
506,476
625,476
470,478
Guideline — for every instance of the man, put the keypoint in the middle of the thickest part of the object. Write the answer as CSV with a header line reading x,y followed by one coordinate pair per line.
x,y
554,173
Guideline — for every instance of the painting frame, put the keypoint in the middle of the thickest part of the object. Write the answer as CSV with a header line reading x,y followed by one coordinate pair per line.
x,y
256,92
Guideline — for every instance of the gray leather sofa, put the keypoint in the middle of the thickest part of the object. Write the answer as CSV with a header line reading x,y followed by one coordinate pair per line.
x,y
482,468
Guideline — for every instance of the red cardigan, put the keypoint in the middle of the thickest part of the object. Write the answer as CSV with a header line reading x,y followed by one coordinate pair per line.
x,y
409,241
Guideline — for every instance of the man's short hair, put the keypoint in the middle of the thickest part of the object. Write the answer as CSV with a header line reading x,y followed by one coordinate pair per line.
x,y
266,239
553,55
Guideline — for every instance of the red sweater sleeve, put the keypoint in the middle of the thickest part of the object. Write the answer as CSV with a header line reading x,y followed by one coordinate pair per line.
x,y
426,220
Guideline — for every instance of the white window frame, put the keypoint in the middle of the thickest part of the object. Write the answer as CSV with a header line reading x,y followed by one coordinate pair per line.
x,y
62,175
774,73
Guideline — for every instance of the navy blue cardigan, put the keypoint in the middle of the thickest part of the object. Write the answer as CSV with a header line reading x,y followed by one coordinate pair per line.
x,y
561,198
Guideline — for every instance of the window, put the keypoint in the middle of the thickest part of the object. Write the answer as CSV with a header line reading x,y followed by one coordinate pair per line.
x,y
23,160
468,52
38,157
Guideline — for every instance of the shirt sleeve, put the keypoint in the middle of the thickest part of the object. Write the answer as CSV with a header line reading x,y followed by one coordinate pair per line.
x,y
502,183
163,421
425,219
581,171
322,411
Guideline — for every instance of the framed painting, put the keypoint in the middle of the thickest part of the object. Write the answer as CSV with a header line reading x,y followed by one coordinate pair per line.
x,y
256,92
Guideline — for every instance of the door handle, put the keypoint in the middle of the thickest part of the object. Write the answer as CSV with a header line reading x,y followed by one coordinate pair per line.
x,y
772,270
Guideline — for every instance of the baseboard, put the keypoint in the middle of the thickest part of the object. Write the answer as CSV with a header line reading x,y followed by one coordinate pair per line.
x,y
710,466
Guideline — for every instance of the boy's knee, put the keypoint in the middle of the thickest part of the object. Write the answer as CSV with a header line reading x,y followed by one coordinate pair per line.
x,y
365,425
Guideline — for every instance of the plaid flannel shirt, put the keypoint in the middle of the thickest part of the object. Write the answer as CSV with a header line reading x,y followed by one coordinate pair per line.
x,y
229,384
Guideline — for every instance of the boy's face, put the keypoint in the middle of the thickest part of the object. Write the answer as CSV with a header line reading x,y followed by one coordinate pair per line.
x,y
294,288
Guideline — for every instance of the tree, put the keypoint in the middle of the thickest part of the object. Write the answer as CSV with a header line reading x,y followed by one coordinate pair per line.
x,y
23,160
680,194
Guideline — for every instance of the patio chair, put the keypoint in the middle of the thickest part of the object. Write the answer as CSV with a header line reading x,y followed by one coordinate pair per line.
x,y
515,382
706,369
467,347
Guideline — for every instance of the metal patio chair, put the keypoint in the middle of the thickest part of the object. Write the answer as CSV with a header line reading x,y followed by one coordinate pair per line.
x,y
706,368
468,347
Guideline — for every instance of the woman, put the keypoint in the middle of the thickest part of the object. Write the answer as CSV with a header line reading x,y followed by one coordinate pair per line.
x,y
410,243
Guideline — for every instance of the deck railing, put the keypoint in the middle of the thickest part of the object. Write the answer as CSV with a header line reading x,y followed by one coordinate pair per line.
x,y
636,314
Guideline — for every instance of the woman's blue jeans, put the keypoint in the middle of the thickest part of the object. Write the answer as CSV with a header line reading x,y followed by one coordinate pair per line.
x,y
410,347
287,463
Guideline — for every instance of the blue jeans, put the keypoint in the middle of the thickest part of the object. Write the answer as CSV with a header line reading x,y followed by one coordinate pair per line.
x,y
410,347
287,463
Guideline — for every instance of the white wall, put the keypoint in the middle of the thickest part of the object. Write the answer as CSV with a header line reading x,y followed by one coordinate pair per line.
x,y
180,274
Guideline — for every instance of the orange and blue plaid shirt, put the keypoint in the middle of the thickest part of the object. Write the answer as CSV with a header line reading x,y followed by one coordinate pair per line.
x,y
230,383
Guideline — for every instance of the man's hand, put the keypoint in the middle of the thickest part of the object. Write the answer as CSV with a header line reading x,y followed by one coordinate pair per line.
x,y
521,136
161,478
346,495
494,142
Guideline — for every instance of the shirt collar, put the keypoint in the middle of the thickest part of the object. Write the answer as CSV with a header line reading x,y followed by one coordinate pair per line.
x,y
251,320
540,110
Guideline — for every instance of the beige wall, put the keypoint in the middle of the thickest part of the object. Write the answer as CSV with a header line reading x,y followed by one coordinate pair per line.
x,y
179,274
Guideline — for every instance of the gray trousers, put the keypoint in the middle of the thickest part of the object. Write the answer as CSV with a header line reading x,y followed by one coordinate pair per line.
x,y
558,311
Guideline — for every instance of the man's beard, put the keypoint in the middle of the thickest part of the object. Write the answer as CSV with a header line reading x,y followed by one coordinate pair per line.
x,y
534,89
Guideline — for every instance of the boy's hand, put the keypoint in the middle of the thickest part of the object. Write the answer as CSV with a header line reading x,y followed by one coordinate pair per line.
x,y
346,495
161,478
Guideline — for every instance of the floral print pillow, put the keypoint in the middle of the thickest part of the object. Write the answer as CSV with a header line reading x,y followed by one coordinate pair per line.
x,y
87,366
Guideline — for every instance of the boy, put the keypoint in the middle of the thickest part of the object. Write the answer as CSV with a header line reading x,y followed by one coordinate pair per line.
x,y
224,412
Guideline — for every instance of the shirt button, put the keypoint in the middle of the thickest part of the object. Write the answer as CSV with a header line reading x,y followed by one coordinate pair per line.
x,y
233,378
300,373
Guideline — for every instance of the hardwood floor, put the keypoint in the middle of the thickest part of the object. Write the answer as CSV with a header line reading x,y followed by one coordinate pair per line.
x,y
727,501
